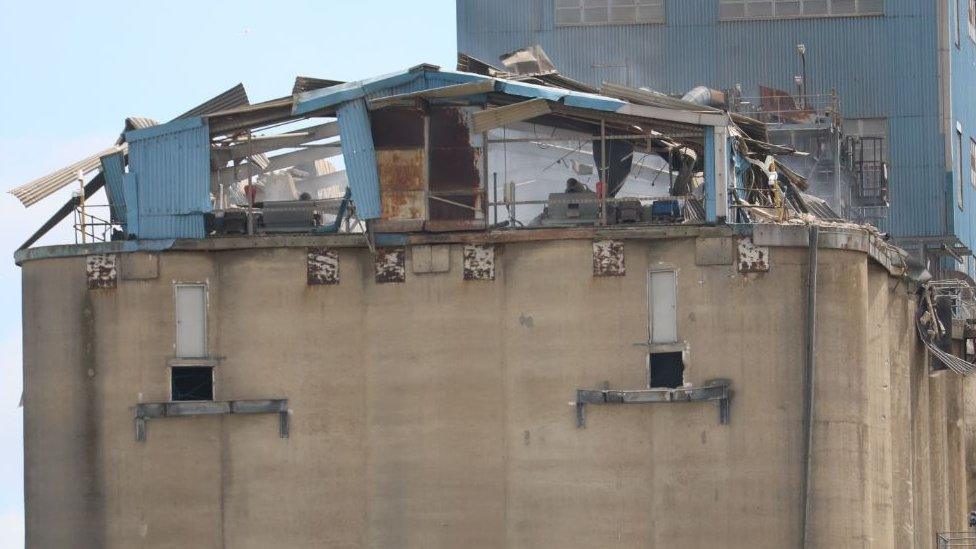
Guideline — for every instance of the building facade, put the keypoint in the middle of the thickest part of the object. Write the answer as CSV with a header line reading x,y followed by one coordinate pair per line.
x,y
903,70
443,410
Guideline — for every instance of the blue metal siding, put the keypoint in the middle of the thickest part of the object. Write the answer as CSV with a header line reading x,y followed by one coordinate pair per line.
x,y
171,168
360,158
963,62
113,167
885,67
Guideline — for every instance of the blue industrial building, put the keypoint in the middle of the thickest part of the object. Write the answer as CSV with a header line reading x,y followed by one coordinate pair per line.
x,y
903,70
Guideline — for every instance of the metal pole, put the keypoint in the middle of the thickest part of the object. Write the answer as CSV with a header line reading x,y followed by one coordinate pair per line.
x,y
494,200
810,376
603,171
81,205
250,186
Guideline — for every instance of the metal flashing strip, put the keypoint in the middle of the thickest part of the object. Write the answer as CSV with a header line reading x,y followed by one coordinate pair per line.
x,y
719,390
206,408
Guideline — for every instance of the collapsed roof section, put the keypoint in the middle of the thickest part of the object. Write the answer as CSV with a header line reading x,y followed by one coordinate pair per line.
x,y
426,149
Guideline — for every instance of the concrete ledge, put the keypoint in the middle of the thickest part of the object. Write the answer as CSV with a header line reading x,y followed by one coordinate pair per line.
x,y
831,237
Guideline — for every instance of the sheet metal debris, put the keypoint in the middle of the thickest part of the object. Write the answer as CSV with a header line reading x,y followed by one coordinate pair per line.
x,y
942,305
479,262
608,258
752,258
102,271
323,266
391,265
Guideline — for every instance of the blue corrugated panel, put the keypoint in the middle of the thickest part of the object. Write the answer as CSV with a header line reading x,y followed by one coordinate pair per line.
x,y
170,165
884,67
360,158
964,113
113,167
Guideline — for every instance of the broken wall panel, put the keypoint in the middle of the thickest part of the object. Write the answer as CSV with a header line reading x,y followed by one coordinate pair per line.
x,y
752,258
102,271
479,262
608,258
322,266
391,265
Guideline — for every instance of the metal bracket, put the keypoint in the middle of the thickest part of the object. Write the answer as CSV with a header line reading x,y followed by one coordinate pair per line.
x,y
713,390
206,408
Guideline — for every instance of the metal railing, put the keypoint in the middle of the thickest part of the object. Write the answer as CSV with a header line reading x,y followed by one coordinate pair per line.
x,y
91,228
791,109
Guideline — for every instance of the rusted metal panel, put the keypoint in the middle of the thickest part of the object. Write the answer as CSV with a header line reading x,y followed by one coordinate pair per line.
x,y
391,265
397,128
322,266
608,258
479,262
454,165
752,258
401,169
102,271
402,183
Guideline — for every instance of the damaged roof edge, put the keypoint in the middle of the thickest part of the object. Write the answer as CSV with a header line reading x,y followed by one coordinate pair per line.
x,y
309,102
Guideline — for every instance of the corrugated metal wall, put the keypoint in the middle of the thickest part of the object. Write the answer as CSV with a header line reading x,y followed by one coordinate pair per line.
x,y
880,66
113,166
963,61
360,158
171,167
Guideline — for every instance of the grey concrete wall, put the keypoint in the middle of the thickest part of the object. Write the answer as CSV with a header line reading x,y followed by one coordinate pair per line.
x,y
437,412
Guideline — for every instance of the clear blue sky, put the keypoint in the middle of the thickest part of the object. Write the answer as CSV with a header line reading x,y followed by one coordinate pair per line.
x,y
72,71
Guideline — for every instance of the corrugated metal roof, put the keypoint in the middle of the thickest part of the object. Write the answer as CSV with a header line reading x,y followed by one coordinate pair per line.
x,y
170,165
42,187
234,97
307,83
360,158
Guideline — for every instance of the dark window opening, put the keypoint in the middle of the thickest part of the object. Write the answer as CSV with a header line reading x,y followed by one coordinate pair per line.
x,y
667,370
192,383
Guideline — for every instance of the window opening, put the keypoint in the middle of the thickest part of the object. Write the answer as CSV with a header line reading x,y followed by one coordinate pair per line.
x,y
191,383
786,9
667,370
609,12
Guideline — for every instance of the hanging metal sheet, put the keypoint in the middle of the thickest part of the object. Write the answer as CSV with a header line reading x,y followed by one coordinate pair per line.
x,y
113,167
360,158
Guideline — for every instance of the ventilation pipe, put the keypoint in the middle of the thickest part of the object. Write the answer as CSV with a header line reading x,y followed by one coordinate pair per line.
x,y
705,96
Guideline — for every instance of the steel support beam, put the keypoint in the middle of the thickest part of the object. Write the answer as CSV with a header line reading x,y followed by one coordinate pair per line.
x,y
719,390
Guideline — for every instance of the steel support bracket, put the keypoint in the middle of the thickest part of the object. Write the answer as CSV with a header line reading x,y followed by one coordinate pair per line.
x,y
719,390
207,408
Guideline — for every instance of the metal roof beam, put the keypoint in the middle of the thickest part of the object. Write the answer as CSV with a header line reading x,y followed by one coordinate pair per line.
x,y
243,148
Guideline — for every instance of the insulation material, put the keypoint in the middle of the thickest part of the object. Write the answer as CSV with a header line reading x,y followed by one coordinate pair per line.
x,y
322,266
479,262
102,271
608,258
391,265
